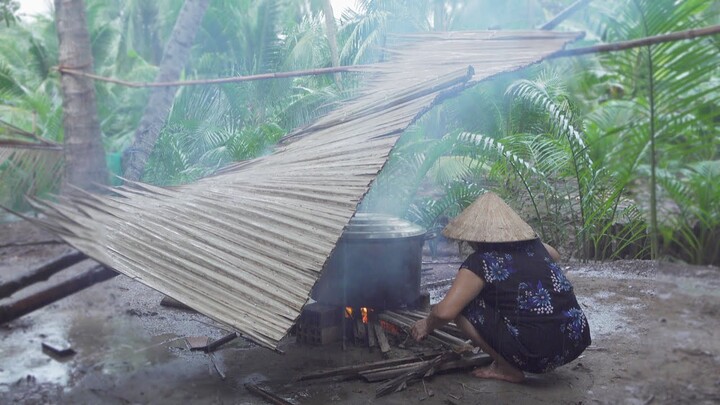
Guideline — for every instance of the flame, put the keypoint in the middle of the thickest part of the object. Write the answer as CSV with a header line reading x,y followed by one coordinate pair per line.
x,y
363,311
390,327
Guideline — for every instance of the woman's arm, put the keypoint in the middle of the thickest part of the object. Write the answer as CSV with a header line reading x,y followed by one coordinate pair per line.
x,y
466,286
553,253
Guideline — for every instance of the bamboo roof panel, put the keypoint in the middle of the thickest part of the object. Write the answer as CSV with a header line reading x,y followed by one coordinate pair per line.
x,y
246,245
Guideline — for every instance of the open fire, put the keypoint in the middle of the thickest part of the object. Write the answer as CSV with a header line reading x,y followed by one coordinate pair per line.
x,y
364,312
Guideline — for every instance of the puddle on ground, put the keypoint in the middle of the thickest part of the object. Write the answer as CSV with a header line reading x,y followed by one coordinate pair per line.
x,y
110,344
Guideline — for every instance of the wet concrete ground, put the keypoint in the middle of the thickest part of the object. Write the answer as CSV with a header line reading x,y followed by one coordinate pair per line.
x,y
655,331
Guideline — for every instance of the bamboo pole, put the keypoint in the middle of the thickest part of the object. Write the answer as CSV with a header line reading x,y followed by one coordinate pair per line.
x,y
41,273
636,43
618,46
224,80
59,291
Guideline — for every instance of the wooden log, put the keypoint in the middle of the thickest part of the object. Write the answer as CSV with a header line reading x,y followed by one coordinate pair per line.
x,y
24,306
356,369
266,395
400,382
360,330
372,338
41,273
381,337
451,365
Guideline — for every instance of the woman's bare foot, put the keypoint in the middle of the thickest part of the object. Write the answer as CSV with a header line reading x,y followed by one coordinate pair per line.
x,y
504,372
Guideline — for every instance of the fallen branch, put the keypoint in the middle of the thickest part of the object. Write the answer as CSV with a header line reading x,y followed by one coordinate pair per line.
x,y
266,395
54,293
41,273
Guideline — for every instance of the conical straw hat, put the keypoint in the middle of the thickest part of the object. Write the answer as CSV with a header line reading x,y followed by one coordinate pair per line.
x,y
488,219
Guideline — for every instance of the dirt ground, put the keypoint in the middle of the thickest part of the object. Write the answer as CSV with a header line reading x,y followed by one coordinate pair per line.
x,y
655,329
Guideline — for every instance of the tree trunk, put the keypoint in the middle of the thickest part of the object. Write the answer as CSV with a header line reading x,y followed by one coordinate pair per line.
x,y
84,153
177,52
332,36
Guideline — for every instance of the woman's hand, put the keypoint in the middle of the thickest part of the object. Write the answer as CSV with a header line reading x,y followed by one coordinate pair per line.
x,y
419,330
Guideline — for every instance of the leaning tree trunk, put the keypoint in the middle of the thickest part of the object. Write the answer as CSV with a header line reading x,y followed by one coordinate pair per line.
x,y
85,163
175,56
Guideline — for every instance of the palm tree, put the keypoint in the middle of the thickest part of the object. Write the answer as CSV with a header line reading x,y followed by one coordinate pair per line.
x,y
666,87
176,54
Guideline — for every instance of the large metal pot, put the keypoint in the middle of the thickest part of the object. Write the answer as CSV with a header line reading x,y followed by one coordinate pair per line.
x,y
376,264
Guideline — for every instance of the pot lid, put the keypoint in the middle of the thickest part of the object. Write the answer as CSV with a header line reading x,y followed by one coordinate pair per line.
x,y
365,225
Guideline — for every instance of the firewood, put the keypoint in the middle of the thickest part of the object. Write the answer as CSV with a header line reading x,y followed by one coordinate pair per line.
x,y
451,365
372,338
355,369
437,336
360,330
381,337
400,382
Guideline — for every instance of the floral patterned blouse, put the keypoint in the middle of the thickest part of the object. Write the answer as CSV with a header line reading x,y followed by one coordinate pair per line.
x,y
527,310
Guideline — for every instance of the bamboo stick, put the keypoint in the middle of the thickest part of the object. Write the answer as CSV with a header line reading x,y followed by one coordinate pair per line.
x,y
41,273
